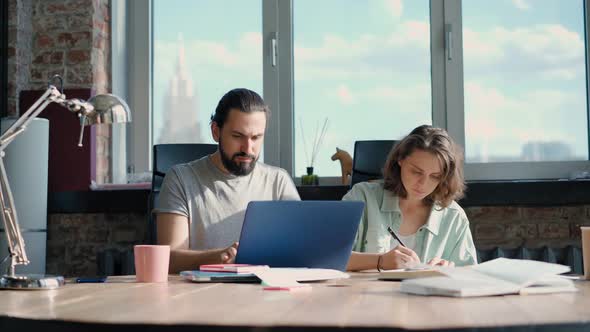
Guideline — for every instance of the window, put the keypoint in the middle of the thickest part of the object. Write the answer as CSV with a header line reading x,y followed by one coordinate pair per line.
x,y
201,49
525,88
362,68
507,78
525,81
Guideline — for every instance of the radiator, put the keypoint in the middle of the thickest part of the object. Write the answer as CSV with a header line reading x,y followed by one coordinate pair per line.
x,y
570,255
114,262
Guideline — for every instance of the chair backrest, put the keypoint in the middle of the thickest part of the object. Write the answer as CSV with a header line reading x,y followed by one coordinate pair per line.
x,y
167,155
369,158
164,157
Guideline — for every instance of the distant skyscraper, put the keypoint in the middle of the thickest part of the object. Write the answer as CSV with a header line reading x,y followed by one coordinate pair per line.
x,y
547,151
181,106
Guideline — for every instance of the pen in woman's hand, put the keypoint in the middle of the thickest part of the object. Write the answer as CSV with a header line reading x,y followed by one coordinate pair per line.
x,y
395,236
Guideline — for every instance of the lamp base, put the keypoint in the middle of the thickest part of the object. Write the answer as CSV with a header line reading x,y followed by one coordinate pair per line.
x,y
31,282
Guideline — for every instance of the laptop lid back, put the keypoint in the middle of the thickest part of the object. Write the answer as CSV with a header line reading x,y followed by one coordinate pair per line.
x,y
314,234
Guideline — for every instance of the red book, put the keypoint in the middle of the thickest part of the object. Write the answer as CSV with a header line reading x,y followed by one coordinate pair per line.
x,y
235,268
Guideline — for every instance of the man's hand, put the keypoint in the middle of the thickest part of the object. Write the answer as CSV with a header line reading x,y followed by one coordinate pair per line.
x,y
399,257
228,255
437,261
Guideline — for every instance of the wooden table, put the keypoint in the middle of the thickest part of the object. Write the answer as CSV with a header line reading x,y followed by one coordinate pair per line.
x,y
358,303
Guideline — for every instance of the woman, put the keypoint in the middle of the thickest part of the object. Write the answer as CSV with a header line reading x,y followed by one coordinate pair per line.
x,y
422,178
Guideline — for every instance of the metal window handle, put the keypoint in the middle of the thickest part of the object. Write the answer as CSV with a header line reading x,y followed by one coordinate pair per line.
x,y
449,40
274,50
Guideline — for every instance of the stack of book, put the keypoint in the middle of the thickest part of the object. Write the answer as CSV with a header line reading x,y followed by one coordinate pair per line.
x,y
224,273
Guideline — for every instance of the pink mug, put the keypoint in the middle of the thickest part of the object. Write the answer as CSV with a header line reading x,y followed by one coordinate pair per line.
x,y
151,263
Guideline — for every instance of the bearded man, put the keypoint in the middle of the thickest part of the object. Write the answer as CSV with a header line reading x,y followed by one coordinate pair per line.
x,y
201,206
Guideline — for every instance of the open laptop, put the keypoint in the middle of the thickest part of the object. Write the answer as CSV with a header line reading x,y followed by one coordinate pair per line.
x,y
314,234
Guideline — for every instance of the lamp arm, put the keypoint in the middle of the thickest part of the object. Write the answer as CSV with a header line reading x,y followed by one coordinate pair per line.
x,y
98,110
50,95
16,245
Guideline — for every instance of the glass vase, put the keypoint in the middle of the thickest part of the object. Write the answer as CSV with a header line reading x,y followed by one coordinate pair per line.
x,y
310,179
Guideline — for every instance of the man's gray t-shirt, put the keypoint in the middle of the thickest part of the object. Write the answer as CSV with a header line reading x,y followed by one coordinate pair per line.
x,y
215,203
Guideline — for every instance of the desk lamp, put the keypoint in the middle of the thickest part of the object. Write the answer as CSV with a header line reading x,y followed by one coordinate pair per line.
x,y
100,109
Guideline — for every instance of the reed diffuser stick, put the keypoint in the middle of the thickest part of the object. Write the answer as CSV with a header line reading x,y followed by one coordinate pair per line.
x,y
320,140
317,141
304,142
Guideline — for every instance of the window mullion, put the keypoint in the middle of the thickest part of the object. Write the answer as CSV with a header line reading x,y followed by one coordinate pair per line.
x,y
139,53
286,81
437,64
270,81
278,82
452,40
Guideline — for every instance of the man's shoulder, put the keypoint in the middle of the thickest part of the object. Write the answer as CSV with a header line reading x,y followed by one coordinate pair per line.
x,y
191,168
269,170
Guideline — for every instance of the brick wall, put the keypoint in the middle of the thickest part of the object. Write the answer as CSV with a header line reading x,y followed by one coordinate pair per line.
x,y
65,37
531,227
20,34
74,240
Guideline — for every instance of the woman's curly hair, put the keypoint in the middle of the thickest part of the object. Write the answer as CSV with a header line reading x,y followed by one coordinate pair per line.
x,y
438,142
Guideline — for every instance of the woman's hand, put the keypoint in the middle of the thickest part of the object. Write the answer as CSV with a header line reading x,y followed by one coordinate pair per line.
x,y
398,258
437,261
228,255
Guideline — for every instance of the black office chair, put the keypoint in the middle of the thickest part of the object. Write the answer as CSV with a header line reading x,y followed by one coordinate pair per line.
x,y
369,158
164,157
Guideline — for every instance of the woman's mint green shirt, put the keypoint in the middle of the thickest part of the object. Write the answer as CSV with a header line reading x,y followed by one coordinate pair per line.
x,y
446,234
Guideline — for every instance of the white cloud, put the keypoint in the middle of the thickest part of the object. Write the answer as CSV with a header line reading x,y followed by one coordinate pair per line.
x,y
400,96
406,48
559,74
395,7
521,4
478,50
409,100
344,95
550,51
251,42
544,52
205,53
411,34
499,124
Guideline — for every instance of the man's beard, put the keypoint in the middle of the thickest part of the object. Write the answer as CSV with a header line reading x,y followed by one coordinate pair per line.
x,y
235,167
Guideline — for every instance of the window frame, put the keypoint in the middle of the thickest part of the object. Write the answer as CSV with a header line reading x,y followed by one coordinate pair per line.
x,y
131,29
446,82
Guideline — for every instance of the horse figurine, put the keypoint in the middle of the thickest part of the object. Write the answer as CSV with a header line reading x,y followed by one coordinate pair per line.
x,y
345,164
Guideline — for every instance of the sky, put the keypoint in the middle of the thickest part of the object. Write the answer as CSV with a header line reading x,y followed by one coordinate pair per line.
x,y
364,65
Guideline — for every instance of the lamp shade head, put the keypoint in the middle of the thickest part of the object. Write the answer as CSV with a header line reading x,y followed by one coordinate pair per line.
x,y
108,109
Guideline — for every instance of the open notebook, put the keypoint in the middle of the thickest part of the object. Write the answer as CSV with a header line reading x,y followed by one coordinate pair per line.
x,y
417,271
496,277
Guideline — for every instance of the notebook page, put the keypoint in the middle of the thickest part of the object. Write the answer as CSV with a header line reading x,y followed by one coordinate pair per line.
x,y
550,284
446,286
519,271
469,273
